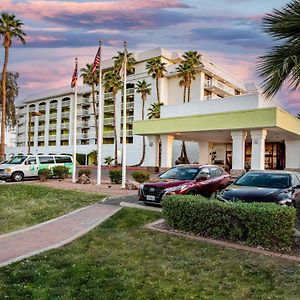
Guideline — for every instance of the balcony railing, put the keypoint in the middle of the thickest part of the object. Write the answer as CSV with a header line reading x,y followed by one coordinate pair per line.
x,y
41,138
41,128
108,134
84,112
129,105
42,107
53,105
108,95
64,125
84,101
64,137
108,121
83,136
65,114
213,83
212,97
66,103
108,108
52,126
31,109
53,116
22,111
21,128
52,137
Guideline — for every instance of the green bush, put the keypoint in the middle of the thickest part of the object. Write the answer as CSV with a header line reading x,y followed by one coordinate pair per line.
x,y
267,224
87,172
81,158
61,172
108,160
115,176
140,176
44,174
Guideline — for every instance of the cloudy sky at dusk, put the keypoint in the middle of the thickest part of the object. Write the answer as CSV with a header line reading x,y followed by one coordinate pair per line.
x,y
226,31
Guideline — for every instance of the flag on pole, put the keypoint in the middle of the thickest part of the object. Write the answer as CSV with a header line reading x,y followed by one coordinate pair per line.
x,y
124,65
75,74
96,63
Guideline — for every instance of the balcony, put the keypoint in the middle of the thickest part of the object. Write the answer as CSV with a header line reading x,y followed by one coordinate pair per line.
x,y
66,103
212,97
216,86
52,137
64,125
129,106
84,112
31,109
52,116
22,120
21,129
65,114
41,128
83,136
52,126
42,118
42,107
108,108
108,121
83,101
108,95
108,134
64,137
53,105
22,111
41,138
20,139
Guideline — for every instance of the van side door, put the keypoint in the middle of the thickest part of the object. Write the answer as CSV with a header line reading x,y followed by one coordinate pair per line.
x,y
31,167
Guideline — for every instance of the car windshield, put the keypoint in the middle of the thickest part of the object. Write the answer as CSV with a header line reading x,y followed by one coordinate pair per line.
x,y
17,160
270,180
180,173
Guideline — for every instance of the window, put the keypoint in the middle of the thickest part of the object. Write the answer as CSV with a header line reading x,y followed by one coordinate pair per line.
x,y
17,160
215,172
46,160
63,159
30,161
204,171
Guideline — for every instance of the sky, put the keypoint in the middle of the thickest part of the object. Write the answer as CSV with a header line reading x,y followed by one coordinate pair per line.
x,y
226,31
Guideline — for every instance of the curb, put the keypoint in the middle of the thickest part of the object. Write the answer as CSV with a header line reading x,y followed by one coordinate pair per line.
x,y
222,243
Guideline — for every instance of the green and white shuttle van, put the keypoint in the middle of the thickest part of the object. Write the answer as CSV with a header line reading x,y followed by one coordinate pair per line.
x,y
26,166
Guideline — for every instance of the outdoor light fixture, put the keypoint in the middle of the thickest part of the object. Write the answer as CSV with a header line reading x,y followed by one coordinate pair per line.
x,y
31,114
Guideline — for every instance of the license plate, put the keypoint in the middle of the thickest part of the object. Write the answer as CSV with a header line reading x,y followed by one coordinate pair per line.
x,y
150,198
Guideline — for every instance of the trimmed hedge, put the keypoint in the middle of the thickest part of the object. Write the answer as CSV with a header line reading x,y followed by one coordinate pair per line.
x,y
115,176
61,172
140,176
87,172
267,224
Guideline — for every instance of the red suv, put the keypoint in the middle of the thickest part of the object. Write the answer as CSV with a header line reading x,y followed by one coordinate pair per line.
x,y
185,180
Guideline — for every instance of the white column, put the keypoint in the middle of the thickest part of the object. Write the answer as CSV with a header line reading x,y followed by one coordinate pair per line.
x,y
26,126
292,154
58,123
166,150
202,82
35,129
204,157
47,112
238,149
258,149
152,150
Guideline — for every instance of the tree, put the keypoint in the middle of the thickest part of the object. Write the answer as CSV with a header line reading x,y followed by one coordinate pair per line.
x,y
119,59
154,111
143,88
10,28
157,69
91,79
281,64
112,83
12,92
183,72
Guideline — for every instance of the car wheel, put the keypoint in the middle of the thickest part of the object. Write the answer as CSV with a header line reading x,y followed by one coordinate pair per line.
x,y
191,192
17,176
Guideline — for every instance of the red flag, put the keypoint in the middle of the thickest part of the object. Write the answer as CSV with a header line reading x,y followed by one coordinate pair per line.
x,y
96,63
74,77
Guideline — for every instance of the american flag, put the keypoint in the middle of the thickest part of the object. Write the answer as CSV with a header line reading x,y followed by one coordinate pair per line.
x,y
74,77
96,63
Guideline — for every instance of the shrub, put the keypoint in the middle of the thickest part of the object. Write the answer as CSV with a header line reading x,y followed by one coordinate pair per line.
x,y
108,160
115,176
87,172
44,174
266,224
140,176
61,172
80,158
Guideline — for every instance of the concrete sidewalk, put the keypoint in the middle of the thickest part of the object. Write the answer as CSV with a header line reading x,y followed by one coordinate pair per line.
x,y
52,234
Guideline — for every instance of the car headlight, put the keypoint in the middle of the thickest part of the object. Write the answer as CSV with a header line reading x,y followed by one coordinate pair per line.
x,y
176,188
8,170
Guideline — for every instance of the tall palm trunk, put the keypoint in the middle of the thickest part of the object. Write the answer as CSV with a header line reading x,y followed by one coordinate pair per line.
x,y
115,131
183,155
95,110
157,90
184,94
3,115
189,93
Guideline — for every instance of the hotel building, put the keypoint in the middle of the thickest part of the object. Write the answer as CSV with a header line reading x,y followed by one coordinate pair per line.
x,y
226,122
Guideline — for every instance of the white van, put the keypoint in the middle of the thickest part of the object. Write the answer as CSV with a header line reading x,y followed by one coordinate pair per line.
x,y
25,166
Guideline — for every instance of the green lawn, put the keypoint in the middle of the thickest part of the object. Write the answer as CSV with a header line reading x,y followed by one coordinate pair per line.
x,y
122,260
22,205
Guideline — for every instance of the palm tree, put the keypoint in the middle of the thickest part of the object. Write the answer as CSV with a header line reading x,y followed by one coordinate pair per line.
x,y
282,63
119,59
10,28
112,83
157,69
144,89
91,79
154,111
183,72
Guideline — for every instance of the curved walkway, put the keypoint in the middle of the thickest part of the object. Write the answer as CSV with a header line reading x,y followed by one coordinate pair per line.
x,y
52,234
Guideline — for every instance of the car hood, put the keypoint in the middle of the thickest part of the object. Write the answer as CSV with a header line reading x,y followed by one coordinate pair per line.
x,y
5,166
251,194
166,183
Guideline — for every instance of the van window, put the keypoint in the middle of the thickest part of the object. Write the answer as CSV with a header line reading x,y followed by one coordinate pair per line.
x,y
30,161
17,160
46,159
63,159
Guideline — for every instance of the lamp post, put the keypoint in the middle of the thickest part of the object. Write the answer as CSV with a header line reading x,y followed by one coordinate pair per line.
x,y
31,114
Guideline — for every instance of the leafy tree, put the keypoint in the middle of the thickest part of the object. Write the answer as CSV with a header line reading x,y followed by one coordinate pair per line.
x,y
143,88
281,64
157,69
91,79
12,92
154,110
112,83
10,28
119,59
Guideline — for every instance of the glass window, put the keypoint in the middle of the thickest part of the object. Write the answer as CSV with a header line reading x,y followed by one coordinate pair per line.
x,y
215,172
180,173
17,160
46,159
30,161
204,171
63,159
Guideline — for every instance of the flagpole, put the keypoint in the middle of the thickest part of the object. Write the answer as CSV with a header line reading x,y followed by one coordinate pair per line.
x,y
124,118
75,129
100,122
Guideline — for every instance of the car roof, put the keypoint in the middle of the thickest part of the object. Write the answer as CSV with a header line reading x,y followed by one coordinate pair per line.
x,y
195,166
273,171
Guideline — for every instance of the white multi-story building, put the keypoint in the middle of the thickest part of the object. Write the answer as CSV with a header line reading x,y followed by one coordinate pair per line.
x,y
214,92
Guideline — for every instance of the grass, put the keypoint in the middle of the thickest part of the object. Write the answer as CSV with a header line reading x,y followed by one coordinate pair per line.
x,y
24,205
123,260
